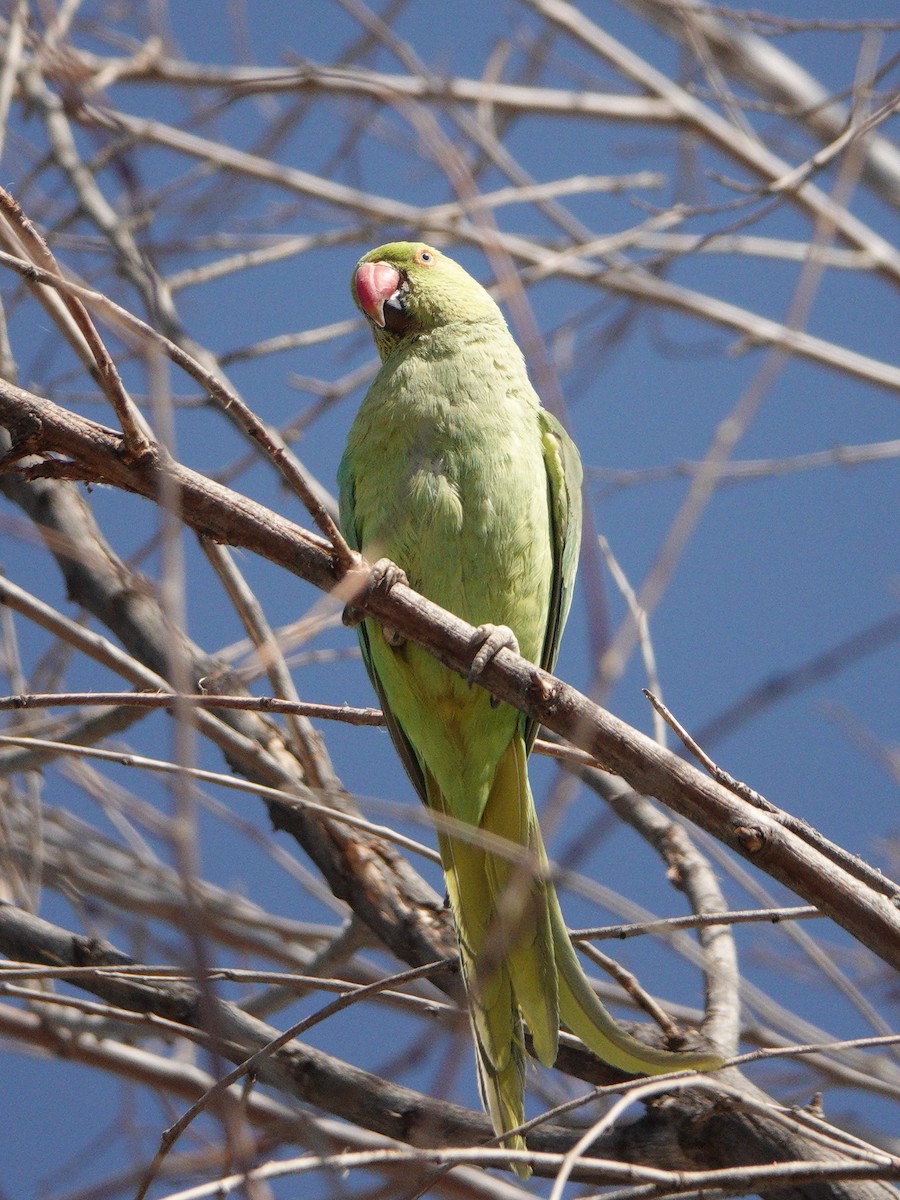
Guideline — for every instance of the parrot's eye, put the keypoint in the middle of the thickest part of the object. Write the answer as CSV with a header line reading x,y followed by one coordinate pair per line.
x,y
425,257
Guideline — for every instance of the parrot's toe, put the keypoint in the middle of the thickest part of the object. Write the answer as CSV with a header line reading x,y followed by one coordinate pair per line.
x,y
352,615
490,639
383,576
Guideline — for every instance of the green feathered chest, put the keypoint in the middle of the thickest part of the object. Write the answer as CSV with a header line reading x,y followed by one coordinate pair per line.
x,y
444,473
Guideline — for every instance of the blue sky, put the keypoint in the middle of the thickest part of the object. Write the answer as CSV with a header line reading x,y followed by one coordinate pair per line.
x,y
778,572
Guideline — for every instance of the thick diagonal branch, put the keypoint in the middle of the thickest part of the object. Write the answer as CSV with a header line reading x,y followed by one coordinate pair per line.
x,y
860,900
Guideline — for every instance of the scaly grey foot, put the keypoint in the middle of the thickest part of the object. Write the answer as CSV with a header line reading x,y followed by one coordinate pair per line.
x,y
490,639
384,575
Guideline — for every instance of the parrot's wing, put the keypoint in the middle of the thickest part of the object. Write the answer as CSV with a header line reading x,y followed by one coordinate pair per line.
x,y
563,467
402,744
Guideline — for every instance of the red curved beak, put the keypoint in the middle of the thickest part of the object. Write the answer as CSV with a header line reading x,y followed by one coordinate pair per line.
x,y
374,284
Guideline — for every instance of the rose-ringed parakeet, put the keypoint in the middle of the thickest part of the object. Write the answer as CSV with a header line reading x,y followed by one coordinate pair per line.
x,y
455,473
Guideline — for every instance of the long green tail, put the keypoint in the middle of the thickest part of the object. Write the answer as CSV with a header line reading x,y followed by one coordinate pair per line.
x,y
506,944
582,1012
518,961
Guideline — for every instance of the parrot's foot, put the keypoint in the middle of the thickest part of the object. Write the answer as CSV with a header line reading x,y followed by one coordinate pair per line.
x,y
385,574
490,639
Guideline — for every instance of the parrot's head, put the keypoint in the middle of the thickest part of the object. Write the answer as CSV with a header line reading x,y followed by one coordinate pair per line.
x,y
408,288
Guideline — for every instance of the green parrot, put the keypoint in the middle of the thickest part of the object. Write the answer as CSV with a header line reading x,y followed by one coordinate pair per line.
x,y
455,473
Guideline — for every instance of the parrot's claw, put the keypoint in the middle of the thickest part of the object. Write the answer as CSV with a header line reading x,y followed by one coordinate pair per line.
x,y
490,639
384,575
